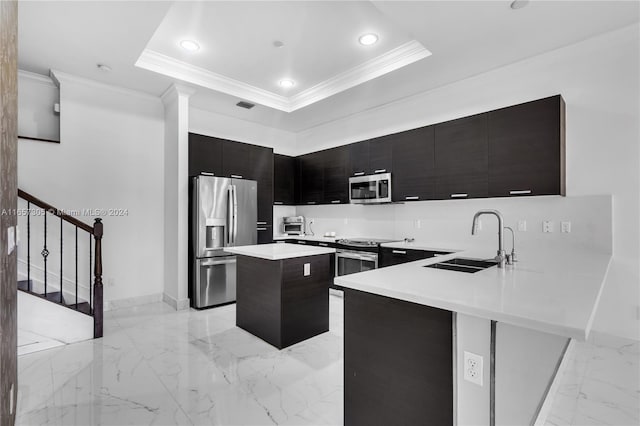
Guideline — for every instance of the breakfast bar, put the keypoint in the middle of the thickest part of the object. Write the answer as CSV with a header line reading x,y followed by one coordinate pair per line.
x,y
283,291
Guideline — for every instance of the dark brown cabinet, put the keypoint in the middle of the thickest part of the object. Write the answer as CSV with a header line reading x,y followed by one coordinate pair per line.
x,y
261,162
335,175
370,157
235,160
311,178
395,256
413,176
358,158
527,149
205,155
461,158
398,362
284,179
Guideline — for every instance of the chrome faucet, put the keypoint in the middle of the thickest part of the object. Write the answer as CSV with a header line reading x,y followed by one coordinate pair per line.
x,y
511,258
501,257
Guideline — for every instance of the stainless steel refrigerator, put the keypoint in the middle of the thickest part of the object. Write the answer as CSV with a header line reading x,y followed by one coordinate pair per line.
x,y
223,214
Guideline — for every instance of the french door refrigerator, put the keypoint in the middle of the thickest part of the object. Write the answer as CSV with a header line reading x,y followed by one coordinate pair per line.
x,y
224,213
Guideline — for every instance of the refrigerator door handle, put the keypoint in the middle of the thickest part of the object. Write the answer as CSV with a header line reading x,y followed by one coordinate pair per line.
x,y
235,214
230,217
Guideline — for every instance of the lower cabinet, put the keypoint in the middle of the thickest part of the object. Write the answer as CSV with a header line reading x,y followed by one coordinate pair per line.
x,y
265,234
395,256
398,362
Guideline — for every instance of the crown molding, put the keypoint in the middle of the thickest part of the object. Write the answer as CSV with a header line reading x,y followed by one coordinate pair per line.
x,y
166,65
37,78
176,90
60,78
392,60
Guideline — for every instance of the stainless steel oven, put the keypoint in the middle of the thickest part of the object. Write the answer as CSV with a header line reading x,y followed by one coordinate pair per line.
x,y
370,189
352,261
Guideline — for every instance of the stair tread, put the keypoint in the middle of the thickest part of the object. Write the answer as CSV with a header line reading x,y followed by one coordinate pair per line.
x,y
54,296
83,307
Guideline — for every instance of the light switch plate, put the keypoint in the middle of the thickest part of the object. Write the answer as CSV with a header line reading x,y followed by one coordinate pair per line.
x,y
307,269
565,227
11,239
522,225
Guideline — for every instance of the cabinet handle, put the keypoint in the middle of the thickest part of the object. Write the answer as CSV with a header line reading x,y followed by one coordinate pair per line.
x,y
323,244
261,229
335,202
522,192
278,203
311,202
206,174
358,174
461,195
280,242
398,252
237,176
380,171
261,223
412,197
302,242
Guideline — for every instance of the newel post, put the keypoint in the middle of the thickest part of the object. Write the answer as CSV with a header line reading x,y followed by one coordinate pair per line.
x,y
97,285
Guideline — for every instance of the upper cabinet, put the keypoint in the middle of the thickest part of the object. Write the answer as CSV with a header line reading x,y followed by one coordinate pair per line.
x,y
261,162
236,160
413,165
461,153
205,155
527,149
311,178
284,179
370,157
335,175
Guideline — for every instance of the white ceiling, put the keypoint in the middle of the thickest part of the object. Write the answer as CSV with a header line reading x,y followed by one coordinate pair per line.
x,y
465,38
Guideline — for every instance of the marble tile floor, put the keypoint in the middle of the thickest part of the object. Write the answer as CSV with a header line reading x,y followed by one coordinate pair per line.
x,y
162,367
29,342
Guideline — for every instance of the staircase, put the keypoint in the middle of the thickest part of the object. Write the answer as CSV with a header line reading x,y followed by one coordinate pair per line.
x,y
80,289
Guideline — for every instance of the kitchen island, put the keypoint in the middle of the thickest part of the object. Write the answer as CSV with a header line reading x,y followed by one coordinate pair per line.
x,y
408,329
283,291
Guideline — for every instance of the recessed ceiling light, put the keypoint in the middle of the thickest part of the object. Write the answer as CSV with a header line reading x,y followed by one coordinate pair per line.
x,y
104,67
519,4
368,39
190,45
286,83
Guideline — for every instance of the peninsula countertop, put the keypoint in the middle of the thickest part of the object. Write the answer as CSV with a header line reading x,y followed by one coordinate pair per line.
x,y
555,291
279,251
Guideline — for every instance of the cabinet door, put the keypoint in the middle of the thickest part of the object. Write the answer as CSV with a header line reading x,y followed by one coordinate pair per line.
x,y
311,178
265,234
235,159
527,149
461,158
358,158
261,162
380,155
205,155
336,175
413,165
284,177
395,256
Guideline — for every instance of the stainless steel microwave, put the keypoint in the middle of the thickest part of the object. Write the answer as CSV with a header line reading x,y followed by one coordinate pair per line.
x,y
370,189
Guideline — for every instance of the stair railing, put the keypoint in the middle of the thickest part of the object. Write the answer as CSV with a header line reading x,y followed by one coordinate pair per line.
x,y
94,233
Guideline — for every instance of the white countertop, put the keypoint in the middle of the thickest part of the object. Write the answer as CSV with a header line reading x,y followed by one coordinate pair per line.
x,y
554,292
279,251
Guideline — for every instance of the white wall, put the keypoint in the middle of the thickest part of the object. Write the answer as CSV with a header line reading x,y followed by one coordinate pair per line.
x,y
225,127
110,156
599,80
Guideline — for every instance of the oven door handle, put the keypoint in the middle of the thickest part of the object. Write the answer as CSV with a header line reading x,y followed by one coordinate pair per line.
x,y
371,258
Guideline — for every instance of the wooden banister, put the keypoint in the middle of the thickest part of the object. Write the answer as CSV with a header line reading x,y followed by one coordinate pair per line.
x,y
48,207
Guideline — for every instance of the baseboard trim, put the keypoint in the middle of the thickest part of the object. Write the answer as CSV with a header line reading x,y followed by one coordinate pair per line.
x,y
110,305
178,305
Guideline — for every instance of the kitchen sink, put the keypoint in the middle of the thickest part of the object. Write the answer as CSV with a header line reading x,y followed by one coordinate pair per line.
x,y
461,264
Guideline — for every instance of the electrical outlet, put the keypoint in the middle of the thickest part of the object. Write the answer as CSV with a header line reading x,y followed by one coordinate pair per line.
x,y
473,365
307,269
547,226
418,224
522,225
565,227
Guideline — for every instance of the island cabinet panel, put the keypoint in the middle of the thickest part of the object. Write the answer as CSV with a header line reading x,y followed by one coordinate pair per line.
x,y
461,158
398,362
311,178
395,256
413,165
284,179
335,175
527,149
278,303
205,155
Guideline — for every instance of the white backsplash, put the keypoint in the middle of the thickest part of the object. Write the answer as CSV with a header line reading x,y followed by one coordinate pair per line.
x,y
447,223
278,213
